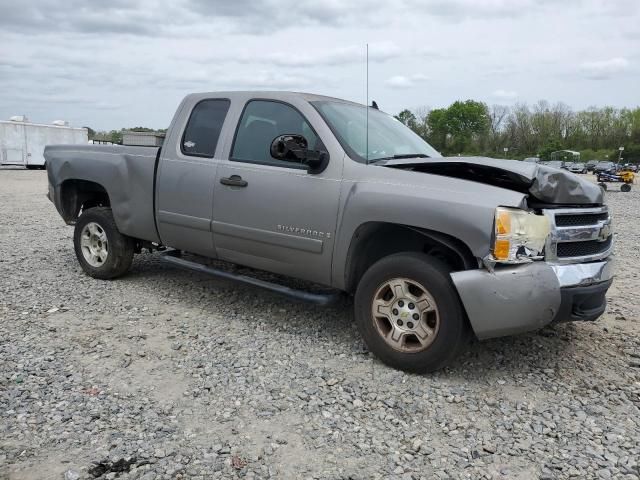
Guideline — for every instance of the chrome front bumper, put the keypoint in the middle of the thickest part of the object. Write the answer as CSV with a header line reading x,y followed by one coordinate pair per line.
x,y
581,274
521,298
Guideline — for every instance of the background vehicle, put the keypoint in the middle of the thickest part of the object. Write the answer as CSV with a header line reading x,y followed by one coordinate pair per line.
x,y
532,160
603,166
576,167
22,142
431,248
591,164
556,164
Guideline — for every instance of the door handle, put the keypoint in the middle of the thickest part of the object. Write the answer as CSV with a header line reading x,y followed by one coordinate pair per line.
x,y
234,181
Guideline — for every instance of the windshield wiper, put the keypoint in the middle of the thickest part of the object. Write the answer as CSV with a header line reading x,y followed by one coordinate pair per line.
x,y
401,156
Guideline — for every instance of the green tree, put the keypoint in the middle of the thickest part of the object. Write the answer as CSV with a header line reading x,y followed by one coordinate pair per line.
x,y
438,130
548,148
466,121
115,136
461,127
408,118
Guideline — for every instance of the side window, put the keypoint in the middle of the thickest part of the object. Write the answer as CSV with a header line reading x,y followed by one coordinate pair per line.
x,y
203,128
261,122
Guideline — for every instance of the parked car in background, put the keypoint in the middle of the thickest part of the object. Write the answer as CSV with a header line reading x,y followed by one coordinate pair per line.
x,y
532,160
431,248
556,164
632,167
576,167
591,164
604,167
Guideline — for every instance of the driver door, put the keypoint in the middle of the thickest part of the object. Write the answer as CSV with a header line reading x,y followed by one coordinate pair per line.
x,y
272,214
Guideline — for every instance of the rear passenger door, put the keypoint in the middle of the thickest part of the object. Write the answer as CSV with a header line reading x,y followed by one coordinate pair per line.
x,y
186,175
272,214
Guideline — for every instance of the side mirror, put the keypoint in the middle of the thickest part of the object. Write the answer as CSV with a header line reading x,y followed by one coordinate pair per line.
x,y
295,148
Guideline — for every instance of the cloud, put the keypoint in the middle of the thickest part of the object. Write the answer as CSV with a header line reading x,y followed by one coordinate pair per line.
x,y
267,16
128,62
354,54
402,81
263,17
115,16
455,10
603,69
504,94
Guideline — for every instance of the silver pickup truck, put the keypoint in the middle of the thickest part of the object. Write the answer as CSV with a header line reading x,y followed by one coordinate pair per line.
x,y
344,196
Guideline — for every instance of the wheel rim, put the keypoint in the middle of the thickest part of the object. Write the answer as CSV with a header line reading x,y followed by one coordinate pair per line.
x,y
94,244
405,315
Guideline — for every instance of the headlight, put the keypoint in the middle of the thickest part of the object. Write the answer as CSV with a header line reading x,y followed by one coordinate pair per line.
x,y
519,235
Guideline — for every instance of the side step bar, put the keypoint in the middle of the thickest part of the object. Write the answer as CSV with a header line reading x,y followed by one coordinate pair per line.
x,y
174,257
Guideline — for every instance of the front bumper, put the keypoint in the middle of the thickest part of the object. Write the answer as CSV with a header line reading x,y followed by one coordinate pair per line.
x,y
522,298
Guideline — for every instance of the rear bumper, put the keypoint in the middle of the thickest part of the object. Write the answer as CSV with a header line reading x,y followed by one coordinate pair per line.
x,y
527,297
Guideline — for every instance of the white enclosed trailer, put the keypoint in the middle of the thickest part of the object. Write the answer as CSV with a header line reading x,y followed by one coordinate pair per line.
x,y
22,142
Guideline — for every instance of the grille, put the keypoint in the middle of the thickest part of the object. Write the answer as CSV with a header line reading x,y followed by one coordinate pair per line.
x,y
580,219
581,249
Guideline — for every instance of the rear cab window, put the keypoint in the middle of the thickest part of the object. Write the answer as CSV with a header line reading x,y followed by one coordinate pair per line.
x,y
203,128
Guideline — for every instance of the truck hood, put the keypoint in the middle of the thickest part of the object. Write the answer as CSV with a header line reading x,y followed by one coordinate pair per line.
x,y
543,183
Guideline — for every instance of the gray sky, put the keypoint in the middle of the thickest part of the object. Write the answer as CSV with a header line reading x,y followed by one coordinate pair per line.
x,y
126,63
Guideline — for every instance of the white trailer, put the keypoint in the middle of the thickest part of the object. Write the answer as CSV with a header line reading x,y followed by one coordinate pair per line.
x,y
22,142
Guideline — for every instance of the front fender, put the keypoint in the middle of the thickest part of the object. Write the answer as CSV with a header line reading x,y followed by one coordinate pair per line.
x,y
457,208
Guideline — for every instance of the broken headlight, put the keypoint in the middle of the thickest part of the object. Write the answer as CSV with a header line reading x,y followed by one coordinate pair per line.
x,y
519,236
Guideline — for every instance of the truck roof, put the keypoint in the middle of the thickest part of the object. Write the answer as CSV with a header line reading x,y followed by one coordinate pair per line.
x,y
275,95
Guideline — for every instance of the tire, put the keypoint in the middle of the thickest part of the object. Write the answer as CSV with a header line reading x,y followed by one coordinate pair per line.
x,y
447,327
103,252
625,187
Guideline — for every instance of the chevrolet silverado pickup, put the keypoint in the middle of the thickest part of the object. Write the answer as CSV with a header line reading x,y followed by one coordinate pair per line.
x,y
344,196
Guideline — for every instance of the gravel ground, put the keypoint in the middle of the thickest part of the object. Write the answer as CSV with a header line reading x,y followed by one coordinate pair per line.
x,y
170,374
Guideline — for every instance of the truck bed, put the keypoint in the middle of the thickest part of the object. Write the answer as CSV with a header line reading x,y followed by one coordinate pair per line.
x,y
127,173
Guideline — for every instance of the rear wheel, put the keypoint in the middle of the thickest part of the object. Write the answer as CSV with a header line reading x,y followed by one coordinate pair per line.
x,y
409,314
625,187
103,252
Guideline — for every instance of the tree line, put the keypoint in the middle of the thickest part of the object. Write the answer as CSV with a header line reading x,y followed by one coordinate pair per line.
x,y
474,128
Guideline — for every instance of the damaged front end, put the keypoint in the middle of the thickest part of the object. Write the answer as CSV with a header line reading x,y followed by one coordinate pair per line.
x,y
549,261
543,184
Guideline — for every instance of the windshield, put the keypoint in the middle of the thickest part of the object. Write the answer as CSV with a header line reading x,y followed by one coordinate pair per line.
x,y
387,138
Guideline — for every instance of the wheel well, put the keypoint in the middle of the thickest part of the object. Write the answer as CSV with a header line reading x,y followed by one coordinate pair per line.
x,y
78,195
375,240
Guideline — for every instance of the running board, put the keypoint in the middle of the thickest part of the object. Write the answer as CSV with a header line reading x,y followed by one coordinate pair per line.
x,y
174,257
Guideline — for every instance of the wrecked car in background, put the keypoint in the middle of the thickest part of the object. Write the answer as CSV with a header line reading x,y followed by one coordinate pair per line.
x,y
345,196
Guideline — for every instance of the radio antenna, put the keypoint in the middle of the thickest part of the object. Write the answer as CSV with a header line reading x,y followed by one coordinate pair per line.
x,y
366,105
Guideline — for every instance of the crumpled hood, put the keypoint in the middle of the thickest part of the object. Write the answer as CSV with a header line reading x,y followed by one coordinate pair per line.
x,y
545,184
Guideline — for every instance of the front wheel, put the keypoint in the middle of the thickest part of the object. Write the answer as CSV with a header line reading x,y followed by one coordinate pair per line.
x,y
625,187
103,252
409,314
